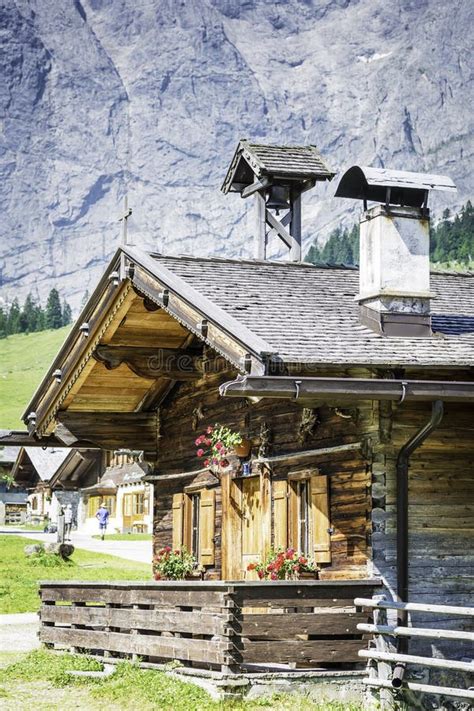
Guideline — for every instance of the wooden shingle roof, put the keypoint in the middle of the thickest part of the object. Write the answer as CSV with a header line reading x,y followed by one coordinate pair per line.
x,y
254,160
308,314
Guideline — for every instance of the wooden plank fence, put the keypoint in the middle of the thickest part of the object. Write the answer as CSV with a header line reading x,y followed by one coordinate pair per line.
x,y
211,625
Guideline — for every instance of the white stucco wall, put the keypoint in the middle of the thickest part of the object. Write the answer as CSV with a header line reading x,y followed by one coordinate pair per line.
x,y
90,525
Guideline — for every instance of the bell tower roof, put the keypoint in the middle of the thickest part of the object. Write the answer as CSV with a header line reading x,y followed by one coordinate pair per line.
x,y
291,164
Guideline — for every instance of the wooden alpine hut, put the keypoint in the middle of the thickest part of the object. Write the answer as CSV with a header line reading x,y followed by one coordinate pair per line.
x,y
353,390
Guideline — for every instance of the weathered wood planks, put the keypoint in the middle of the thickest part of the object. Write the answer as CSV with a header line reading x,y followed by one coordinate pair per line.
x,y
310,652
208,624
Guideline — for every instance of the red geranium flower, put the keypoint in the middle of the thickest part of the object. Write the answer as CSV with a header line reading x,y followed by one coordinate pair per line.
x,y
209,429
200,453
206,462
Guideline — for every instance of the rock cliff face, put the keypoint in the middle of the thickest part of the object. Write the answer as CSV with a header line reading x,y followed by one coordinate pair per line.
x,y
103,97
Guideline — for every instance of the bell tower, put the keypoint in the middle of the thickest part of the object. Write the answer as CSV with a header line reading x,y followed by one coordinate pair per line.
x,y
277,176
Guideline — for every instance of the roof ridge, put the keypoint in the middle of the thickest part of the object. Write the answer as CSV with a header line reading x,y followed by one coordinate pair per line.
x,y
249,260
451,272
278,263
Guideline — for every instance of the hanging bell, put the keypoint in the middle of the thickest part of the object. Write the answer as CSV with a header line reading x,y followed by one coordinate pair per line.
x,y
278,198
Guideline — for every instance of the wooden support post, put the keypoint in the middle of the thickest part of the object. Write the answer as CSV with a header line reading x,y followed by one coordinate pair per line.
x,y
108,629
261,227
73,650
231,615
295,228
134,632
383,669
231,528
48,645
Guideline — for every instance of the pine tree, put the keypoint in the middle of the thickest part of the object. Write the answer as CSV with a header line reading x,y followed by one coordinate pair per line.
x,y
66,313
13,323
28,320
53,310
40,318
3,323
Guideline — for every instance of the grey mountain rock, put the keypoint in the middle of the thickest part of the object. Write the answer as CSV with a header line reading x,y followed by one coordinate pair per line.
x,y
103,97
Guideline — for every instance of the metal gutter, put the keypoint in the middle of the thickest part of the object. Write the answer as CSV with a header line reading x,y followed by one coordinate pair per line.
x,y
403,462
348,389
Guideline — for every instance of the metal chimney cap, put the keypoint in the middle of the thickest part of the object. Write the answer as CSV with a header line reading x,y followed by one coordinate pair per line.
x,y
406,188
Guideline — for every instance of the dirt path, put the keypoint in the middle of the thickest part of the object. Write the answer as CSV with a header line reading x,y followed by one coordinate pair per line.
x,y
18,633
43,696
139,551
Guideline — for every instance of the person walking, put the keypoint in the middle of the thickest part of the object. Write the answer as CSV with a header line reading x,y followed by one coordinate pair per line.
x,y
102,516
67,522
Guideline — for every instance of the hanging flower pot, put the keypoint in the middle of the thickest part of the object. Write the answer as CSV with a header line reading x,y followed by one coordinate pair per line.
x,y
217,444
242,450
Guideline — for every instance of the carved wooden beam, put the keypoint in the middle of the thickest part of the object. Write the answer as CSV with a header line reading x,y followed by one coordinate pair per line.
x,y
20,438
256,186
153,363
112,430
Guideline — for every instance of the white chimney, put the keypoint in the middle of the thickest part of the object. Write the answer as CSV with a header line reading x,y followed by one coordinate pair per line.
x,y
394,282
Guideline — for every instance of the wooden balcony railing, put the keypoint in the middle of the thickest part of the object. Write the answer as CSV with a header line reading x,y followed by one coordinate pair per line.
x,y
212,625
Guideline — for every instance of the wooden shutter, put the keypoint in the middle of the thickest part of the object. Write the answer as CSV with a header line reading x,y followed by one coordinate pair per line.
x,y
320,519
206,526
280,514
178,518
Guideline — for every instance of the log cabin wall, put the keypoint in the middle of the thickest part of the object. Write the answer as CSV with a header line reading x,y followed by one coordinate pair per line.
x,y
195,405
441,510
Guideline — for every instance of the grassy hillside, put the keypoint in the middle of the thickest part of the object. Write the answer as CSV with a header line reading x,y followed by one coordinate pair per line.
x,y
24,360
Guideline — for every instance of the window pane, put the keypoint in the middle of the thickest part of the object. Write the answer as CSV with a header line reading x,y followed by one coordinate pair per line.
x,y
195,503
303,517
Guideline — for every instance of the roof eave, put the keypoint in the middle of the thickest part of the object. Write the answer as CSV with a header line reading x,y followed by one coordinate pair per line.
x,y
72,336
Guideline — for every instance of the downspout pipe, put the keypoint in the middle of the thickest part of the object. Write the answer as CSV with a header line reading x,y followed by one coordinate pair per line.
x,y
403,462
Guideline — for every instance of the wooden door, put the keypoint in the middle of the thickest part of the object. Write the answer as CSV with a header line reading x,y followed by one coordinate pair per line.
x,y
127,512
134,510
251,525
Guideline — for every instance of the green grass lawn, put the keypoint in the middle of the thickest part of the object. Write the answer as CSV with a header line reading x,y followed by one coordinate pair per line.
x,y
127,537
40,680
24,360
19,579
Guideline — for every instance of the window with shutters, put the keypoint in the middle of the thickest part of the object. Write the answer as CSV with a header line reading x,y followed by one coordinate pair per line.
x,y
194,523
308,515
95,501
